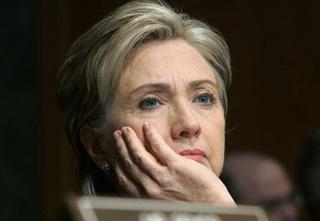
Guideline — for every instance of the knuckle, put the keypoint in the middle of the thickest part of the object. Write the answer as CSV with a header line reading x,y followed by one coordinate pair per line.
x,y
127,164
138,158
154,192
122,180
165,182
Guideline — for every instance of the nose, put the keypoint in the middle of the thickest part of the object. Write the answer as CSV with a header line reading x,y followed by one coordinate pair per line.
x,y
185,123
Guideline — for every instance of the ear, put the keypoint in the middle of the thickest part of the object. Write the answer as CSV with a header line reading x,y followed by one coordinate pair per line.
x,y
91,140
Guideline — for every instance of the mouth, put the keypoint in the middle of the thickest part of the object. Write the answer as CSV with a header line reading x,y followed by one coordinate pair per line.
x,y
194,154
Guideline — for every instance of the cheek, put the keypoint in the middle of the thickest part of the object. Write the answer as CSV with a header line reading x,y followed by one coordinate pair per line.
x,y
160,126
214,132
136,123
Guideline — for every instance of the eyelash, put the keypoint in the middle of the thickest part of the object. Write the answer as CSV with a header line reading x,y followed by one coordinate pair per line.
x,y
143,103
210,99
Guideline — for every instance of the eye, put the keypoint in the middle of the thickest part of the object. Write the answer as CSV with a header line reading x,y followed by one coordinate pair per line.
x,y
148,103
204,99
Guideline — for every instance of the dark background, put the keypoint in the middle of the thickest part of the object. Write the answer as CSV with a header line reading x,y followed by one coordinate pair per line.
x,y
273,101
18,111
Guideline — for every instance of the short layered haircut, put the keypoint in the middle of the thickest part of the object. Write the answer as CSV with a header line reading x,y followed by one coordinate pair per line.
x,y
95,62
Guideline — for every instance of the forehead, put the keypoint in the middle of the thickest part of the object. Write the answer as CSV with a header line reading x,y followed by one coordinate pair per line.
x,y
174,61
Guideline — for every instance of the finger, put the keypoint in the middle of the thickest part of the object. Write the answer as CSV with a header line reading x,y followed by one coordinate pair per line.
x,y
144,159
132,189
131,168
125,183
165,153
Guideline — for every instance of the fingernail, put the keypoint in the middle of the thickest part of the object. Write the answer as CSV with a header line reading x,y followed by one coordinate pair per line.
x,y
125,130
146,125
117,134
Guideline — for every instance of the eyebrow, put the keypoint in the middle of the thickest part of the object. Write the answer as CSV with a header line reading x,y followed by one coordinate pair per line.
x,y
196,84
156,86
161,87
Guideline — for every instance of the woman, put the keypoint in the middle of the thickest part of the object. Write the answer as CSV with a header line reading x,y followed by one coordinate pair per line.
x,y
144,100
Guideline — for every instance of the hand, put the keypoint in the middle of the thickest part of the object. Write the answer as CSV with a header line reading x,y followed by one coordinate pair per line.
x,y
167,175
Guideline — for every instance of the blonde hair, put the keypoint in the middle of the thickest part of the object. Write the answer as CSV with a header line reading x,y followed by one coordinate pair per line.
x,y
94,64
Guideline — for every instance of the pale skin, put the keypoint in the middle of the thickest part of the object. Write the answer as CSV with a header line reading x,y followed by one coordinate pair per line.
x,y
167,102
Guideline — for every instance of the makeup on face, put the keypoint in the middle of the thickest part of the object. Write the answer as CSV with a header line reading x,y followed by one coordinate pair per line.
x,y
170,85
194,154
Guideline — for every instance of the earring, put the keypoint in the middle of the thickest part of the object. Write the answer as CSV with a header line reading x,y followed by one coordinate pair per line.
x,y
105,167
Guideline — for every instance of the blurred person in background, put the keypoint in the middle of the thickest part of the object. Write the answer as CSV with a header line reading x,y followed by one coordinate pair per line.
x,y
255,179
309,175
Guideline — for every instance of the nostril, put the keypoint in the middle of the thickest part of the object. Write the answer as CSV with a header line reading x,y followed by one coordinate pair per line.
x,y
197,132
185,125
190,133
184,134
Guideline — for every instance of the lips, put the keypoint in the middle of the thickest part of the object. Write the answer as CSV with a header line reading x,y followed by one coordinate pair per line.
x,y
194,154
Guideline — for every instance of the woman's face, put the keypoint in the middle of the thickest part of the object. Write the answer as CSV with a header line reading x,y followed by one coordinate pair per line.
x,y
170,85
